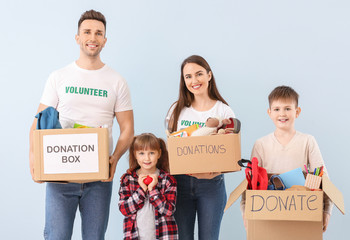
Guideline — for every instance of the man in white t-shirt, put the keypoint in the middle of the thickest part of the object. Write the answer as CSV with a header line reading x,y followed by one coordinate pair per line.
x,y
90,93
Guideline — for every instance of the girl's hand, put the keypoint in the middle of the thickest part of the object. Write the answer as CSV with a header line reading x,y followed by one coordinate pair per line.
x,y
142,184
210,175
154,182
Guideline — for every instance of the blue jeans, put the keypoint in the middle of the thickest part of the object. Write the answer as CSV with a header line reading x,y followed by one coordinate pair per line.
x,y
62,201
204,197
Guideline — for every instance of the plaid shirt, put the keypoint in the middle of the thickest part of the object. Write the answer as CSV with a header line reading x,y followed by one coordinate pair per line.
x,y
162,197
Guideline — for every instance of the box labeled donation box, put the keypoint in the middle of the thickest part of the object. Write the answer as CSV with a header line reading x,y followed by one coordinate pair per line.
x,y
68,155
202,154
287,215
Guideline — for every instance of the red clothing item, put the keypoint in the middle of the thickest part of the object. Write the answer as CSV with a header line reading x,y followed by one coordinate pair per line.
x,y
162,197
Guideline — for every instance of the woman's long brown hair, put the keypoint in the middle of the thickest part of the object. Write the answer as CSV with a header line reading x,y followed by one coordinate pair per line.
x,y
186,97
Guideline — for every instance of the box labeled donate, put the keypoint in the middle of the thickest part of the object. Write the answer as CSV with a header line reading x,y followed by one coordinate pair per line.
x,y
215,153
287,215
71,154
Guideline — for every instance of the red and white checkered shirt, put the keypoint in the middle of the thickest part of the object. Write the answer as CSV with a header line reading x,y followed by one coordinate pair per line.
x,y
162,197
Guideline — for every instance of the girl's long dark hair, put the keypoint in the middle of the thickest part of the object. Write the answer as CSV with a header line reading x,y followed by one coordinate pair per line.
x,y
148,141
186,97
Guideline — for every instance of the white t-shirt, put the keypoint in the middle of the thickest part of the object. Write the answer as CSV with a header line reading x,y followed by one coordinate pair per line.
x,y
190,116
146,223
87,97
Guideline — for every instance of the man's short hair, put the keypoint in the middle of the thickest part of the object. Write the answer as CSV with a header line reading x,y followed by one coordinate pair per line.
x,y
284,93
93,15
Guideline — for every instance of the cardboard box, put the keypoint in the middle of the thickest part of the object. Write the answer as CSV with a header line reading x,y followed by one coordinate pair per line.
x,y
287,215
215,153
71,155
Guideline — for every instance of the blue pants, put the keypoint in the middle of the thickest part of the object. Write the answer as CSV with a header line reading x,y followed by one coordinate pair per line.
x,y
62,201
204,197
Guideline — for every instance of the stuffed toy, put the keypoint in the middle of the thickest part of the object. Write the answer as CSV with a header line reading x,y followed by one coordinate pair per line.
x,y
233,126
215,125
211,127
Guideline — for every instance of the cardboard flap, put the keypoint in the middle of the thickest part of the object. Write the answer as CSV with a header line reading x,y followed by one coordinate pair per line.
x,y
236,193
333,193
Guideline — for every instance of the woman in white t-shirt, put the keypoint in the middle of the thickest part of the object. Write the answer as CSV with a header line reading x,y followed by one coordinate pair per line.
x,y
202,194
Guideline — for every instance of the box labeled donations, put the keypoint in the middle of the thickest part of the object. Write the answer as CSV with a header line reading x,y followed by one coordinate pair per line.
x,y
287,215
202,154
71,154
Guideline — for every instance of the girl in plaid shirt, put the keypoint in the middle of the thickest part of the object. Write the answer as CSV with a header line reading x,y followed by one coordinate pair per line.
x,y
147,192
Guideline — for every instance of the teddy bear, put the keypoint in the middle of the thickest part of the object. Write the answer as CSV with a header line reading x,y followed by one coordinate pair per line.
x,y
215,125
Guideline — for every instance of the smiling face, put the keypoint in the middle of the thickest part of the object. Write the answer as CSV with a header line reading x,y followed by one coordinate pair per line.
x,y
91,38
196,79
147,159
283,114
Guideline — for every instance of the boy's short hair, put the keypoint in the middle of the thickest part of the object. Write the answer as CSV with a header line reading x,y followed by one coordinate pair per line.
x,y
283,93
93,15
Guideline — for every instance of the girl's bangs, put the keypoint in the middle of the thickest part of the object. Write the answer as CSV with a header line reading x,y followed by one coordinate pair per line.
x,y
144,142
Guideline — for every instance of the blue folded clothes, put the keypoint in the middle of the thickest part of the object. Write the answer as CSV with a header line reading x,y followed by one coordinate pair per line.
x,y
48,119
293,177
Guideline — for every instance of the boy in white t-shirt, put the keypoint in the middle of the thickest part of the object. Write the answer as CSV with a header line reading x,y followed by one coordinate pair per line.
x,y
286,149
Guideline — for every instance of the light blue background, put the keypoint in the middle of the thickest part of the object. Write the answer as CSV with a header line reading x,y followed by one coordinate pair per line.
x,y
252,47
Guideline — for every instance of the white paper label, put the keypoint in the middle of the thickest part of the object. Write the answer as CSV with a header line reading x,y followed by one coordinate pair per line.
x,y
70,153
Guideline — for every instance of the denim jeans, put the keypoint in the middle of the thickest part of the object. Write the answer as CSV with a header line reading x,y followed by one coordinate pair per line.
x,y
62,201
204,197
